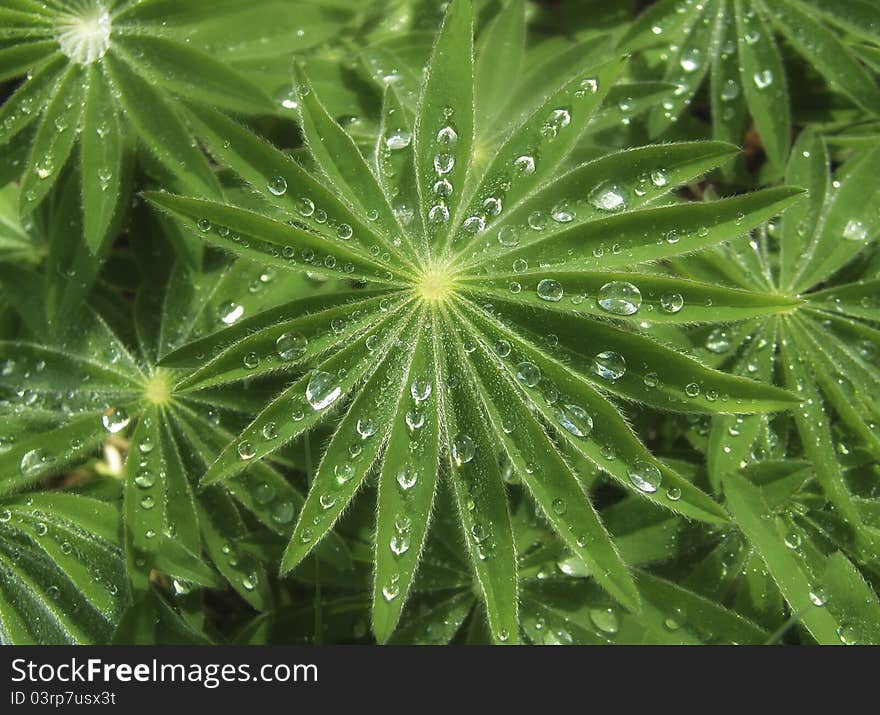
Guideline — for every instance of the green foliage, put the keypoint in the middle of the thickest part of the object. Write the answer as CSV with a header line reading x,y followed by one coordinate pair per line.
x,y
471,359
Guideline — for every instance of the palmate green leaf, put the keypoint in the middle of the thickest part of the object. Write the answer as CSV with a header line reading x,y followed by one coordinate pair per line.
x,y
735,43
343,469
52,145
479,496
118,72
642,370
764,531
532,453
823,47
407,485
763,80
101,151
435,346
687,69
62,570
499,56
161,129
444,130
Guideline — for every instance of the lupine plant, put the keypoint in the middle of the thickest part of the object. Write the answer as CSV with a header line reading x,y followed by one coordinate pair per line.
x,y
383,324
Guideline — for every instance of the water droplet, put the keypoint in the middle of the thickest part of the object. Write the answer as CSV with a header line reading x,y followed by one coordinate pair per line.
x,y
528,373
145,479
229,312
562,213
249,582
343,473
366,428
34,461
645,476
322,390
690,59
659,178
509,236
717,341
277,186
251,360
575,420
399,544
605,619
550,290
855,231
524,164
421,389
438,213
115,420
729,91
763,79
305,207
246,450
407,478
444,163
148,502
290,346
609,365
671,302
463,449
447,136
608,197
492,206
398,139
415,419
620,298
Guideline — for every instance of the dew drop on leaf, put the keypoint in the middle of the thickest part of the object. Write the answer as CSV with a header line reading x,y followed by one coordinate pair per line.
x,y
575,420
290,346
463,449
620,298
528,373
115,420
609,365
645,476
671,302
550,290
323,390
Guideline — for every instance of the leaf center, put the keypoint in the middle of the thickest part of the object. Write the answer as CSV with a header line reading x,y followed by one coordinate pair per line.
x,y
436,283
85,37
157,389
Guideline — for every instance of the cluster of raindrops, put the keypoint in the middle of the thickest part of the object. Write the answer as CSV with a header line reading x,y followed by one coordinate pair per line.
x,y
443,164
524,163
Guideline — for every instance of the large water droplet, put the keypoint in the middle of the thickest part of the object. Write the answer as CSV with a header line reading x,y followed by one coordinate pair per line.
x,y
608,197
645,476
575,420
528,373
323,390
115,420
463,449
550,290
620,298
609,365
398,139
291,346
